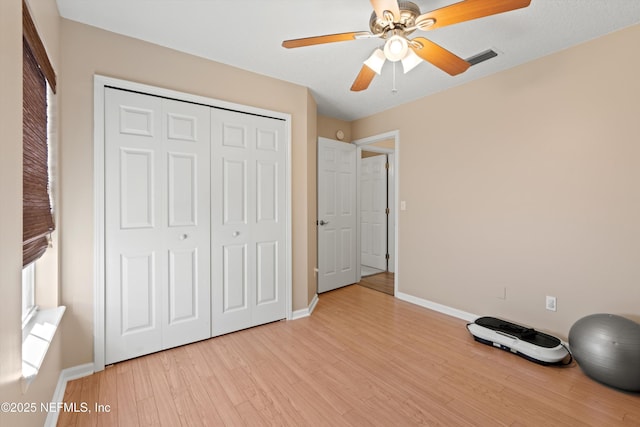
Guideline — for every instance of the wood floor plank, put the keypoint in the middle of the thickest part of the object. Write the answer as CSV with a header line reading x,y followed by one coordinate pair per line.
x,y
90,395
126,398
231,388
313,407
189,413
171,369
141,381
280,411
225,408
381,282
72,394
439,415
362,358
161,391
148,412
108,395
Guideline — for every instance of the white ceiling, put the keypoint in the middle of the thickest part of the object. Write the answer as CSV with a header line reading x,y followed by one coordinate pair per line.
x,y
248,34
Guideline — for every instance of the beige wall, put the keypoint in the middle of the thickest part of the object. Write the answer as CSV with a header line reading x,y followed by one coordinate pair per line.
x,y
86,51
366,154
328,126
11,194
312,166
45,15
525,180
387,143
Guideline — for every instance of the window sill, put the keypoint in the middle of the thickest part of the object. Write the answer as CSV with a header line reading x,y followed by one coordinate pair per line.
x,y
37,336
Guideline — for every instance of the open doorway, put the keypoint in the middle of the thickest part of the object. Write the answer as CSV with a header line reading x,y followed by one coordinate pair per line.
x,y
377,188
338,210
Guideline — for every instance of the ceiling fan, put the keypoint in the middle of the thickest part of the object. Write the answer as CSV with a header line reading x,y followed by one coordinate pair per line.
x,y
394,20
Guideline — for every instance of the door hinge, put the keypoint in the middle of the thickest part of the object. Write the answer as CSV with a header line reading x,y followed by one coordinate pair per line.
x,y
387,256
387,211
386,165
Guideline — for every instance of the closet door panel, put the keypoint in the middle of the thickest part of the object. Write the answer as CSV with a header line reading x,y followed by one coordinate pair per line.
x,y
183,286
248,183
135,265
267,272
267,185
136,188
231,175
186,136
183,186
137,300
234,192
269,219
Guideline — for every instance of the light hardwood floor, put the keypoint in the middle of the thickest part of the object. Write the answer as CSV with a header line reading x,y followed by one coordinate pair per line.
x,y
362,358
381,282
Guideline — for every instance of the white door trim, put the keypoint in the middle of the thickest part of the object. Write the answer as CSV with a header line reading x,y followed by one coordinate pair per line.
x,y
395,135
99,84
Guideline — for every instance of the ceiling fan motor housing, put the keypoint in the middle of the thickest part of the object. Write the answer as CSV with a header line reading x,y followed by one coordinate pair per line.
x,y
408,13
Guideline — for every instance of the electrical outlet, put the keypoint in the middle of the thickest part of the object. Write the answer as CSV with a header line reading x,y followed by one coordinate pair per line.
x,y
551,303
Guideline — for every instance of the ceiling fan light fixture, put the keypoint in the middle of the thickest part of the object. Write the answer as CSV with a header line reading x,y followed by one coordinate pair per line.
x,y
410,61
396,48
388,16
376,61
424,24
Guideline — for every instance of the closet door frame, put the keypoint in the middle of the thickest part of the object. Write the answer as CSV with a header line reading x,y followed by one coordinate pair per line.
x,y
99,84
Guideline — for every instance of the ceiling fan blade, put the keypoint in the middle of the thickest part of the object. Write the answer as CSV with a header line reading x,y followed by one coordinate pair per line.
x,y
391,5
468,10
439,56
365,76
329,38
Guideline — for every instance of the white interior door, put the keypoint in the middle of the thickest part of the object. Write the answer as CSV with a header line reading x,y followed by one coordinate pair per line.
x,y
337,216
248,220
157,225
373,211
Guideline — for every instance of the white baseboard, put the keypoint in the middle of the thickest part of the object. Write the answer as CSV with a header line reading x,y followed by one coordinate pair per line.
x,y
305,312
314,302
66,375
454,312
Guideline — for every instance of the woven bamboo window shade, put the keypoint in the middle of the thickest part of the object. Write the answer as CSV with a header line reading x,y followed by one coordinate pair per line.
x,y
37,215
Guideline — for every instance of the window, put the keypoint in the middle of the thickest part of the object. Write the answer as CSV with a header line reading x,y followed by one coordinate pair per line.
x,y
39,85
28,293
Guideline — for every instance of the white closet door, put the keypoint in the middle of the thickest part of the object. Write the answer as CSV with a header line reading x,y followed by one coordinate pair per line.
x,y
157,223
373,215
248,220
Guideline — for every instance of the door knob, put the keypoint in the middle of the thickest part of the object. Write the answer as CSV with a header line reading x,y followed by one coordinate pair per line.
x,y
235,233
183,236
323,222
